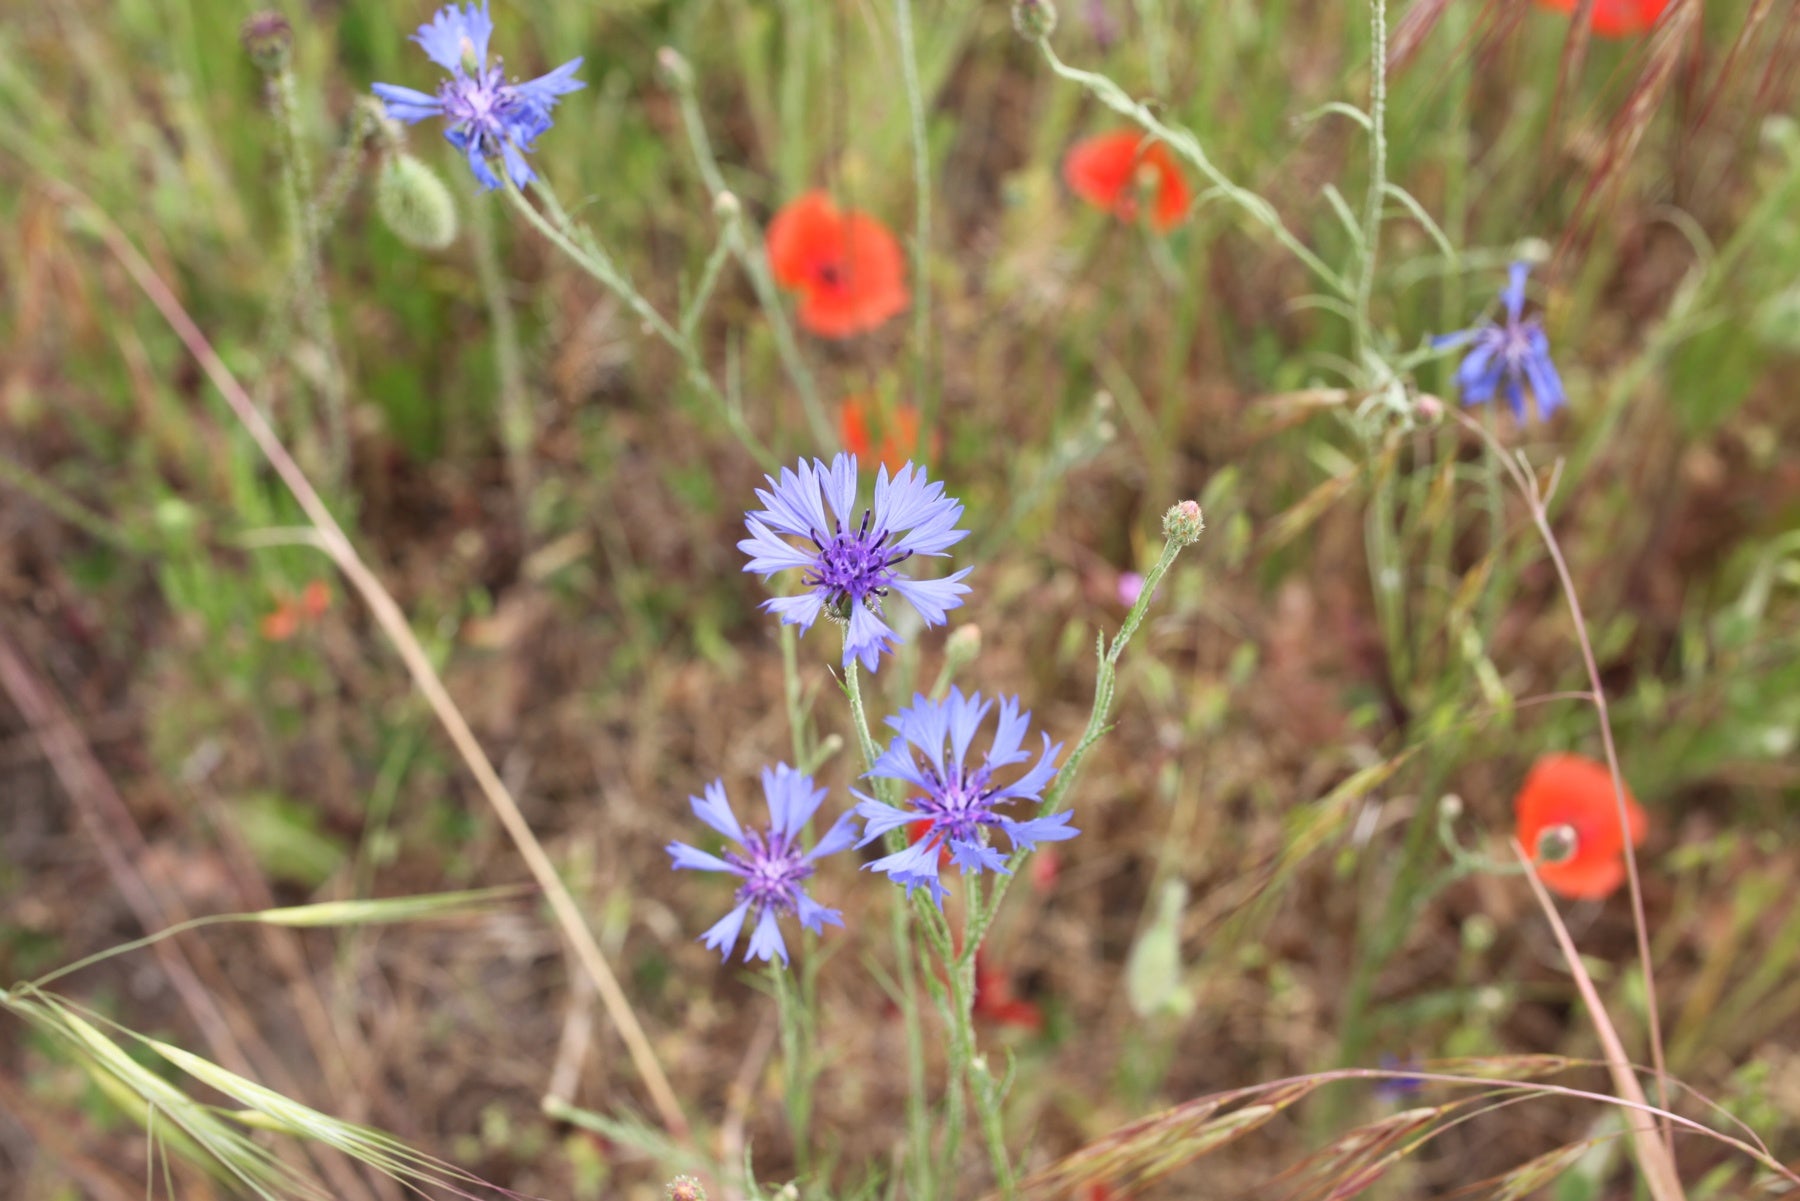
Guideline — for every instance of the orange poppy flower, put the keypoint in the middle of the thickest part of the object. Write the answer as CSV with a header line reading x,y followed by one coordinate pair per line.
x,y
846,266
290,614
1617,18
899,433
1110,170
995,1001
1577,793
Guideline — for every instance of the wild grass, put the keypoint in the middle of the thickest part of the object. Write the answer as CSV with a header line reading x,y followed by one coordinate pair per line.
x,y
1278,961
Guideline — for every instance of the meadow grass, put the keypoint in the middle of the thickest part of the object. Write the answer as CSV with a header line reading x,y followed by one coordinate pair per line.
x,y
1289,954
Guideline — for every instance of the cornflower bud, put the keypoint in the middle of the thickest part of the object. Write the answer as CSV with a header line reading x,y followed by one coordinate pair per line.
x,y
1183,522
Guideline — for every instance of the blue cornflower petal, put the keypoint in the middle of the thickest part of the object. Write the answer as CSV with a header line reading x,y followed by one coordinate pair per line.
x,y
1507,356
444,36
771,863
765,941
404,104
974,856
957,799
1027,834
690,857
487,117
716,812
722,935
852,565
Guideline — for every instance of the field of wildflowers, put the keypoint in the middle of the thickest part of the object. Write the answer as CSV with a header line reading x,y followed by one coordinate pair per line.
x,y
900,599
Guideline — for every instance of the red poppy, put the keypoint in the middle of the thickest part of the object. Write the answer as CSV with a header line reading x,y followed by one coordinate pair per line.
x,y
290,613
919,829
1617,18
995,1001
898,429
1111,170
1570,791
846,266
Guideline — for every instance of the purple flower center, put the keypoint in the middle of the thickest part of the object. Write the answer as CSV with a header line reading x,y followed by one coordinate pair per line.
x,y
854,566
484,106
774,867
959,803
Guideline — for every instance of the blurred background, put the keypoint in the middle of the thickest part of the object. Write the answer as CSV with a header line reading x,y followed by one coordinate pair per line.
x,y
198,716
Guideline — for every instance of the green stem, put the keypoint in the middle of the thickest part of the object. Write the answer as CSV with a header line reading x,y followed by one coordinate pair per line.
x,y
746,243
517,428
587,254
797,1073
1377,197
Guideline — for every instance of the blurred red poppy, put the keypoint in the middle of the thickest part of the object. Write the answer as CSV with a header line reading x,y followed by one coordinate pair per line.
x,y
1577,793
846,266
1111,170
898,431
1617,18
995,1001
290,613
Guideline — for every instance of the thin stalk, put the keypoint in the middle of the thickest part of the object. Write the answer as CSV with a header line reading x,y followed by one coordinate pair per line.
x,y
1188,146
925,396
517,427
586,254
1540,517
918,1120
1377,196
797,1072
388,615
746,242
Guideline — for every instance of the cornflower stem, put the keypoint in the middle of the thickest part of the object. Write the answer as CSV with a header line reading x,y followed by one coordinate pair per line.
x,y
517,427
1188,146
1105,679
926,395
393,622
1536,504
581,248
918,1120
745,241
796,1062
966,1068
1377,195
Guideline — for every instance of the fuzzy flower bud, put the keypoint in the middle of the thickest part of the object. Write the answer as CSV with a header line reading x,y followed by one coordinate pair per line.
x,y
268,39
726,205
963,645
414,203
1034,19
685,1188
1183,523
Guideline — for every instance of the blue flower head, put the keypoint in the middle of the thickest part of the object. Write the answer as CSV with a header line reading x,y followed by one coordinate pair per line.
x,y
957,801
772,863
1514,353
850,564
488,117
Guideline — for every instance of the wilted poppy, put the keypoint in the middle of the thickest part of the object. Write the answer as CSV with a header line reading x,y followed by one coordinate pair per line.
x,y
894,439
1111,170
846,266
1568,821
1616,18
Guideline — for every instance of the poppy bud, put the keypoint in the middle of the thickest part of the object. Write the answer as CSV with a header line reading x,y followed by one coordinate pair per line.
x,y
1183,523
726,205
962,646
268,39
1034,19
1557,844
414,203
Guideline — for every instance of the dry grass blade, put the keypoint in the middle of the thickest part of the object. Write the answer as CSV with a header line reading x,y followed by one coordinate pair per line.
x,y
1135,1155
329,537
1411,30
1356,1159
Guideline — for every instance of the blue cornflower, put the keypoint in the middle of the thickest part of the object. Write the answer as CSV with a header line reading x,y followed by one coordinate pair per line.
x,y
850,565
773,864
488,117
1514,353
957,801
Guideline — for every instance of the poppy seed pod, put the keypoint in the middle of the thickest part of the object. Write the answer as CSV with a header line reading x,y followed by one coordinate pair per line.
x,y
415,204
